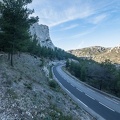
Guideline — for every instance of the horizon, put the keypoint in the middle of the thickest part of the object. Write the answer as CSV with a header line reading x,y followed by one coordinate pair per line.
x,y
79,24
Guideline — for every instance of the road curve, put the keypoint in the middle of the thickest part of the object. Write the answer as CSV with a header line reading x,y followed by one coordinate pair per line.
x,y
107,108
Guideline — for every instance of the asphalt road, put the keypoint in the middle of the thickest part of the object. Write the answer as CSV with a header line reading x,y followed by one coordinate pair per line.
x,y
107,108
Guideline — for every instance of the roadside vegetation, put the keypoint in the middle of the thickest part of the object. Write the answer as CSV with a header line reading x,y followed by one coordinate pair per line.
x,y
103,76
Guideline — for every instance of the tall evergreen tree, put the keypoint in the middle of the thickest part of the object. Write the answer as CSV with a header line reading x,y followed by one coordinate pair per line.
x,y
14,24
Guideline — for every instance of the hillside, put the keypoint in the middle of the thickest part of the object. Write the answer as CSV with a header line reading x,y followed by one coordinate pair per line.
x,y
98,53
25,93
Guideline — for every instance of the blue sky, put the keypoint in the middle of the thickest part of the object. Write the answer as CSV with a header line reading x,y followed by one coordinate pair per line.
x,y
77,24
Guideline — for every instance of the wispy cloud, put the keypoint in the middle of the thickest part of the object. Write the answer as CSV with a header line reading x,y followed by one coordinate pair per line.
x,y
53,18
52,14
69,27
98,19
80,45
84,33
76,36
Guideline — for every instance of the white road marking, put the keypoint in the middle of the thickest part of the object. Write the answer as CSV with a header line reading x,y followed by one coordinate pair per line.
x,y
90,89
106,106
116,101
82,103
79,89
72,84
62,76
67,81
111,100
89,96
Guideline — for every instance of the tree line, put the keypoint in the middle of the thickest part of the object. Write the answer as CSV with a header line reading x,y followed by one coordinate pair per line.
x,y
35,49
103,76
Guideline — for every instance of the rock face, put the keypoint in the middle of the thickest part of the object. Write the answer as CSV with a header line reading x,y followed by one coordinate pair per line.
x,y
42,33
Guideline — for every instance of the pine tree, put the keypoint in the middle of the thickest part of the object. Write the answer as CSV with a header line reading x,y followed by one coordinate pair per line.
x,y
67,63
14,24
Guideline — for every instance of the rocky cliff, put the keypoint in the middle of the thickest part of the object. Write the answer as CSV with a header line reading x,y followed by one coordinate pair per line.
x,y
42,33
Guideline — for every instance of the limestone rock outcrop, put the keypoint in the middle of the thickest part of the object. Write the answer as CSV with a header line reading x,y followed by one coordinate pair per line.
x,y
42,34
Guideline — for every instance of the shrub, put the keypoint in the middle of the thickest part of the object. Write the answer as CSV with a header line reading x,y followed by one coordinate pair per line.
x,y
29,86
52,84
42,62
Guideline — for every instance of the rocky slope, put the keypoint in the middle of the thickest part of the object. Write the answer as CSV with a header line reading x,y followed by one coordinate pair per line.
x,y
25,93
42,33
99,53
89,51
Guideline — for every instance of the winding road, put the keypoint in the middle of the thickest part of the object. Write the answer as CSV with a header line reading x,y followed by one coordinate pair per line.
x,y
100,106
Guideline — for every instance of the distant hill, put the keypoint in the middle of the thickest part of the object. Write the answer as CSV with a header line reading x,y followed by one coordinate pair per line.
x,y
98,53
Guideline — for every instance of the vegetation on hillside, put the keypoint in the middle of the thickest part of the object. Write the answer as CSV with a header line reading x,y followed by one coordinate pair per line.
x,y
15,21
98,53
103,76
27,94
35,49
15,36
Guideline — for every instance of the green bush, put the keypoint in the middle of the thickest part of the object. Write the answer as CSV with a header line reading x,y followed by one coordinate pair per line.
x,y
28,85
52,84
42,62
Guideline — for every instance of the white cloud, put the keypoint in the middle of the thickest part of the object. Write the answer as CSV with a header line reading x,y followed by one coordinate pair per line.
x,y
53,18
77,36
80,45
98,19
53,14
69,27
